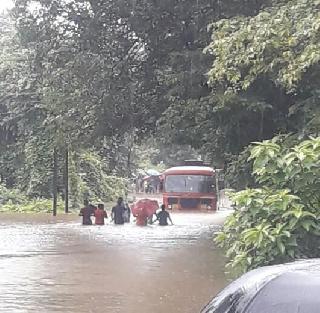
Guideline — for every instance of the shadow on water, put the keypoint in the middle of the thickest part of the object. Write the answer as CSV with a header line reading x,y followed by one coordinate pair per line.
x,y
60,266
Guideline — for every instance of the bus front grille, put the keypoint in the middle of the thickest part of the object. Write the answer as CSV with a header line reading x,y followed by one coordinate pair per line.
x,y
189,203
173,200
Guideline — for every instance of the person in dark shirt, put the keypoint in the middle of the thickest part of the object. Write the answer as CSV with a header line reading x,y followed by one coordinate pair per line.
x,y
117,212
163,216
86,212
100,214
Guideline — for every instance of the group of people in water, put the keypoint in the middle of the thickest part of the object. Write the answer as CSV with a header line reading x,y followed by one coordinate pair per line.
x,y
120,214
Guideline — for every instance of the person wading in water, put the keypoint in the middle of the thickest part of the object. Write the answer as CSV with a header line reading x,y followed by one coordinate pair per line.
x,y
126,212
86,212
100,214
163,216
117,212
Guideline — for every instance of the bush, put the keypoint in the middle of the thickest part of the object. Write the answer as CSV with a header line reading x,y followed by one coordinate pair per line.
x,y
31,206
281,220
13,200
11,195
93,183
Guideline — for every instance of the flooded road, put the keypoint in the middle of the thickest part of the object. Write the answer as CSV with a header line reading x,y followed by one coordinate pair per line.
x,y
50,265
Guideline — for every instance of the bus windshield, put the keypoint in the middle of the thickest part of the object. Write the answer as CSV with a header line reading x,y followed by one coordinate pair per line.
x,y
189,183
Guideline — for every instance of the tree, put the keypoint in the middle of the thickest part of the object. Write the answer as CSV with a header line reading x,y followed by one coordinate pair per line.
x,y
279,221
197,113
91,64
52,106
281,43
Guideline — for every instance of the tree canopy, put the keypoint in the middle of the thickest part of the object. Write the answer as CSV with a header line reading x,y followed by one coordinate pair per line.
x,y
281,42
103,77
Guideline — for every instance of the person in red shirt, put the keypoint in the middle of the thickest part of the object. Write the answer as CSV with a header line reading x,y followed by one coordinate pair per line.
x,y
100,214
86,212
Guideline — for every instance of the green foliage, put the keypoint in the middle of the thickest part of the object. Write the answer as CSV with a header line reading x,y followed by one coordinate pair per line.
x,y
238,173
281,42
154,153
218,125
55,105
196,114
13,200
11,196
102,75
281,221
31,206
272,56
34,176
295,167
89,179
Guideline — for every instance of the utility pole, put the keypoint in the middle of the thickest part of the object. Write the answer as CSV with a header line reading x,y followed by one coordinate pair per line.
x,y
55,182
66,182
217,171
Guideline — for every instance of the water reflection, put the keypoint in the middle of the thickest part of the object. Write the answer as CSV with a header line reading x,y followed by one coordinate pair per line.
x,y
62,266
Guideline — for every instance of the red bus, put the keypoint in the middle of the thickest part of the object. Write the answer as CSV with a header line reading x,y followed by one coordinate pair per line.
x,y
190,188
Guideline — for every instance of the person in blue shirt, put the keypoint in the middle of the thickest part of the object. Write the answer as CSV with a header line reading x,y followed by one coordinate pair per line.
x,y
163,216
118,212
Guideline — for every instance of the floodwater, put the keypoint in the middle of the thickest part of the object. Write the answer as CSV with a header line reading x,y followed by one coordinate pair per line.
x,y
57,265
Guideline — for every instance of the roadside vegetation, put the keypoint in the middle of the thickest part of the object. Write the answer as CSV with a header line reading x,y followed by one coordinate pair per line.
x,y
280,220
273,54
12,200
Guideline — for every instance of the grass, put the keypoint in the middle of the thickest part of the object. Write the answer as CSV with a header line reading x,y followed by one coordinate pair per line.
x,y
32,206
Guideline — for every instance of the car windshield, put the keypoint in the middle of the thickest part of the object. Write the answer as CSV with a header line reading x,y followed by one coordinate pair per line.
x,y
189,183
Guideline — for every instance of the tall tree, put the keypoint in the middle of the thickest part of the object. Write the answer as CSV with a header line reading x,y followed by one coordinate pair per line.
x,y
279,45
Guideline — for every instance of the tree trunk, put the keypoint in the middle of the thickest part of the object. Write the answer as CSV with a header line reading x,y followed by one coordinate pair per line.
x,y
66,182
129,162
261,125
55,182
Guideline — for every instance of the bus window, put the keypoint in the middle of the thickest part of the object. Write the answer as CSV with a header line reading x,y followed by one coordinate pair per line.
x,y
190,183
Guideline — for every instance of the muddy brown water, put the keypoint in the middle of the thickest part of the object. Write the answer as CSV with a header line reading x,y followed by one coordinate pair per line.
x,y
57,265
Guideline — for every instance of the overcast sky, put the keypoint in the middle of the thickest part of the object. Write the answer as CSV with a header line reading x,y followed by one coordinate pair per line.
x,y
5,4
